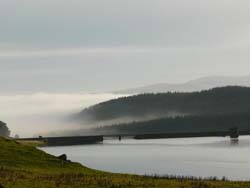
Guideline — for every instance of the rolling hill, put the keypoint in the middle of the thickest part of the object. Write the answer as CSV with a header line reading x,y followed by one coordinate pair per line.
x,y
208,110
225,100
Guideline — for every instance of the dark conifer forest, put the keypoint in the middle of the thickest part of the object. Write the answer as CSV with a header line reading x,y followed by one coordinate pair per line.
x,y
214,109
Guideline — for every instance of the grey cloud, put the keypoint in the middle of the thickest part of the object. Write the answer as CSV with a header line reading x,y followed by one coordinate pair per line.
x,y
92,45
112,71
117,22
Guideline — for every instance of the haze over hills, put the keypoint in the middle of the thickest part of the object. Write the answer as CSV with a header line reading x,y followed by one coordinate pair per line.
x,y
179,124
219,107
203,83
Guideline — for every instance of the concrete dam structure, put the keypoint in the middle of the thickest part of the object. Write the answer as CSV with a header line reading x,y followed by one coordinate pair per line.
x,y
233,133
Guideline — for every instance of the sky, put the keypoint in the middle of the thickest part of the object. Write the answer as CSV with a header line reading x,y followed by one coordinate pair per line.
x,y
96,46
53,53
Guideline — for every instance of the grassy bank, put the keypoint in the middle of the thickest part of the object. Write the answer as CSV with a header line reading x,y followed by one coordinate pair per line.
x,y
24,166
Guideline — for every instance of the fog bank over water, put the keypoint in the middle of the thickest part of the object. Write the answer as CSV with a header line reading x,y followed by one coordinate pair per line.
x,y
42,113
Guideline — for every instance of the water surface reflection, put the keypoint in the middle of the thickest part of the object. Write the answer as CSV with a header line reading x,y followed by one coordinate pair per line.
x,y
191,156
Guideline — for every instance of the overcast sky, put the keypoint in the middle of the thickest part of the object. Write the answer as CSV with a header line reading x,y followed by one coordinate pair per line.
x,y
93,45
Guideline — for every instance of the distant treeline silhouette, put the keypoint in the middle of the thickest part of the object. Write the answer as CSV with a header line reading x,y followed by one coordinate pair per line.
x,y
4,130
217,101
203,123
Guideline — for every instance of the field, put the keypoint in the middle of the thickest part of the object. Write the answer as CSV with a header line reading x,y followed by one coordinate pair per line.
x,y
24,166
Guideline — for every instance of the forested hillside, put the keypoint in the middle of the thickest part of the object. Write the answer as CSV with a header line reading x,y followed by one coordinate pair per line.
x,y
204,123
218,101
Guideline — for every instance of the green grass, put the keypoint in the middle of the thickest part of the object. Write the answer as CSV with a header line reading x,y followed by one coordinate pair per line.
x,y
24,166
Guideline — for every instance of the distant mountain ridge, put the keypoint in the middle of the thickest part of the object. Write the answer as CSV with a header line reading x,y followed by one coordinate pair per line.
x,y
204,83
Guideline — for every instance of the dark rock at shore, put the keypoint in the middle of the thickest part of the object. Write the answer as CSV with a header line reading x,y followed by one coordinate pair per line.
x,y
62,157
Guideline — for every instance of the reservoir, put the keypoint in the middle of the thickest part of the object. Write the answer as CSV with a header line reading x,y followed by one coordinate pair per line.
x,y
201,157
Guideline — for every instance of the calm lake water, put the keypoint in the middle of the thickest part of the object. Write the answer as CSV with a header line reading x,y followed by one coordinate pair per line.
x,y
203,157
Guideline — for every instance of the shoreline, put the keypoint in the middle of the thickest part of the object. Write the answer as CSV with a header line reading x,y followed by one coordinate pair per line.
x,y
24,166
